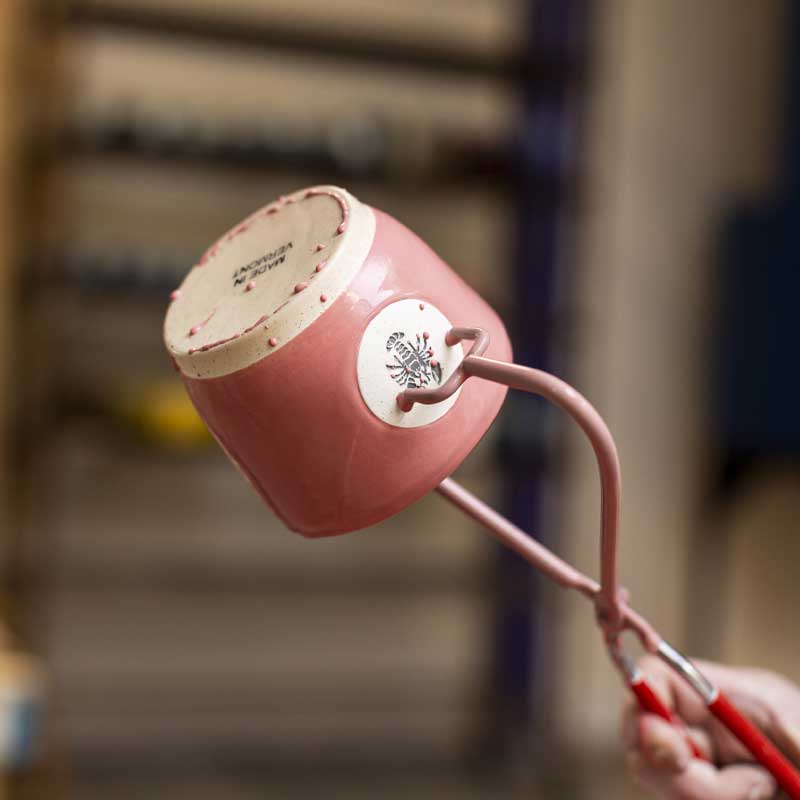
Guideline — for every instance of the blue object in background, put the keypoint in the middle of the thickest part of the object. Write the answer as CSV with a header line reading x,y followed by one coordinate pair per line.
x,y
759,388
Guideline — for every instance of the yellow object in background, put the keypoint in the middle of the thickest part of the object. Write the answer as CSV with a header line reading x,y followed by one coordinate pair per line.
x,y
163,413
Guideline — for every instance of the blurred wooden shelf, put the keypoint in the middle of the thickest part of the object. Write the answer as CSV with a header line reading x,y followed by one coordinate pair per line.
x,y
181,208
173,78
478,38
188,671
422,779
187,629
179,514
271,640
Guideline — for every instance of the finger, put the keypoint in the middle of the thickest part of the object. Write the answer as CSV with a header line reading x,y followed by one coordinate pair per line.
x,y
787,736
702,781
765,697
769,700
754,691
663,745
760,695
704,743
673,690
690,707
629,723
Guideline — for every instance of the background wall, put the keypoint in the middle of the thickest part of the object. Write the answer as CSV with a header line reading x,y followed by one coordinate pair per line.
x,y
192,645
684,124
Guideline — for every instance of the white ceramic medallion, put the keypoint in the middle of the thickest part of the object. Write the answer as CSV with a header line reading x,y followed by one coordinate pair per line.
x,y
403,347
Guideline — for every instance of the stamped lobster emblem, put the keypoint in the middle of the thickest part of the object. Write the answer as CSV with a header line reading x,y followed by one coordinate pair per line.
x,y
414,366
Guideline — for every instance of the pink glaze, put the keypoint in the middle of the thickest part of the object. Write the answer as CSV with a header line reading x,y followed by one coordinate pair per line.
x,y
328,468
323,298
422,306
319,266
195,329
259,321
319,248
211,345
209,254
250,286
300,287
175,294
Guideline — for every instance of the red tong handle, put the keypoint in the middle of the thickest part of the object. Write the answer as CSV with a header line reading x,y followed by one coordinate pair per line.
x,y
649,701
761,748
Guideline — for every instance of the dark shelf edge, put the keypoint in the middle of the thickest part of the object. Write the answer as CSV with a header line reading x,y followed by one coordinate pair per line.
x,y
268,582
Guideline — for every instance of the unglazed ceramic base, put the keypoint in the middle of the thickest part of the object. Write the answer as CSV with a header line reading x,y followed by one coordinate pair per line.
x,y
266,280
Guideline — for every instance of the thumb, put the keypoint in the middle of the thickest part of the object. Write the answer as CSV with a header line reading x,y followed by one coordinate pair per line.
x,y
786,733
770,700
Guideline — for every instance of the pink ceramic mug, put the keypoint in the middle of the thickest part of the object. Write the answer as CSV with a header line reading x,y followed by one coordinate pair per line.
x,y
322,343
294,335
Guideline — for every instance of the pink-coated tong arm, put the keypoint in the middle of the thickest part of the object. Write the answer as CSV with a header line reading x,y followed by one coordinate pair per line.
x,y
612,610
570,578
613,614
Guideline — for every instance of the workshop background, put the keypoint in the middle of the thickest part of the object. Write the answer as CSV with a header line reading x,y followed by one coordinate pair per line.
x,y
619,178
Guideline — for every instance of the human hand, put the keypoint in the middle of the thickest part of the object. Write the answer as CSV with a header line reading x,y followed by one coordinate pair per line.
x,y
660,758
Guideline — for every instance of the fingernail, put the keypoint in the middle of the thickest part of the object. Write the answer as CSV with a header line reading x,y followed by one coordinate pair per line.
x,y
761,791
792,732
664,758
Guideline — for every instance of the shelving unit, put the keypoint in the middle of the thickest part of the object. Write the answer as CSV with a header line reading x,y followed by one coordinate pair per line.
x,y
193,640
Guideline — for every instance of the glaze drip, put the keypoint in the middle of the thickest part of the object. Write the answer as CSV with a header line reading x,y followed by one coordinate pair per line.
x,y
195,329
